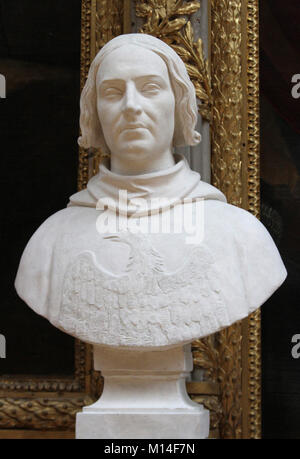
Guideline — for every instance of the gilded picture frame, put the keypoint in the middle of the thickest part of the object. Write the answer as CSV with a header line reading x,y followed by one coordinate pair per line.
x,y
227,84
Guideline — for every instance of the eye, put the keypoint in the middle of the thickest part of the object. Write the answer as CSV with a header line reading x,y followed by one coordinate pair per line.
x,y
112,93
151,88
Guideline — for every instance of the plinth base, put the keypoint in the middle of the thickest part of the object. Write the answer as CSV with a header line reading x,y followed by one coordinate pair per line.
x,y
138,425
144,396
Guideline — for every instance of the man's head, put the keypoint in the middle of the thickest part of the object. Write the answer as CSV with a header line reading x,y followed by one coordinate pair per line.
x,y
138,92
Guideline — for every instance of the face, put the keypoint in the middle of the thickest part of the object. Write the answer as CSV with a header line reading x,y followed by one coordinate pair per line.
x,y
135,103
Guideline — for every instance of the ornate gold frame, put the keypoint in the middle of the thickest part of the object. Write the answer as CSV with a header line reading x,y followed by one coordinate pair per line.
x,y
230,359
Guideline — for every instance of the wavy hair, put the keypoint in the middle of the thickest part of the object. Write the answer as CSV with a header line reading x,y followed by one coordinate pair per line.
x,y
186,113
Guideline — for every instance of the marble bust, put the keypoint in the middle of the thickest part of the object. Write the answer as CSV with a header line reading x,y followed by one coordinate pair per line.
x,y
149,289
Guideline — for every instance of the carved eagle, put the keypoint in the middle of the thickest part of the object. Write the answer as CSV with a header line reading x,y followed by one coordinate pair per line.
x,y
146,305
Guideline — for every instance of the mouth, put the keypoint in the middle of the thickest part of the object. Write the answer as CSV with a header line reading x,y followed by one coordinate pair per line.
x,y
133,127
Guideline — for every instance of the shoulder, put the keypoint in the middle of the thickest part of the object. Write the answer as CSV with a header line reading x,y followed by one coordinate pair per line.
x,y
241,231
238,220
65,220
50,243
246,249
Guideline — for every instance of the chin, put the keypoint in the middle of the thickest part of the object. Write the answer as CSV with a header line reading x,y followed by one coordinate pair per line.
x,y
136,151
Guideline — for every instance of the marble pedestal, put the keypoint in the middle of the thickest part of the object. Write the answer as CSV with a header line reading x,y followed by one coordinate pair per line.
x,y
144,396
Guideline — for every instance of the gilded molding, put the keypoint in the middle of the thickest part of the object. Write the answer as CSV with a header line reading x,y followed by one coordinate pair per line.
x,y
230,380
254,329
35,384
220,356
83,363
254,379
227,94
229,160
206,357
109,21
254,326
253,106
86,14
41,413
235,149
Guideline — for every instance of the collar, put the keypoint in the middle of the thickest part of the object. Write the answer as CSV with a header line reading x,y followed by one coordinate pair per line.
x,y
155,191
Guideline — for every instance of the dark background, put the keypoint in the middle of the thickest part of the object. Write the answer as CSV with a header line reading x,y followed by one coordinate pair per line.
x,y
40,59
280,199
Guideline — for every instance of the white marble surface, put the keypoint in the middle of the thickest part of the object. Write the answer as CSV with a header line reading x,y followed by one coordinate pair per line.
x,y
144,397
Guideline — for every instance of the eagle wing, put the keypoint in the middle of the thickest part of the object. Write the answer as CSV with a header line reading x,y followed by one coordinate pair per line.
x,y
149,307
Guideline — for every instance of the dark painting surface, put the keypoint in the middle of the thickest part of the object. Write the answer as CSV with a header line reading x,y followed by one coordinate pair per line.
x,y
280,199
40,59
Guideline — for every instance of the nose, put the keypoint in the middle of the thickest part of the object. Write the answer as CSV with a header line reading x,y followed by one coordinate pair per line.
x,y
131,100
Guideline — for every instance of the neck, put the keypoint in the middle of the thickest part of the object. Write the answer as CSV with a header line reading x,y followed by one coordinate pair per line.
x,y
128,166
